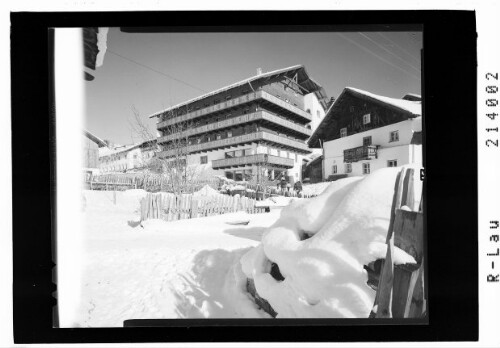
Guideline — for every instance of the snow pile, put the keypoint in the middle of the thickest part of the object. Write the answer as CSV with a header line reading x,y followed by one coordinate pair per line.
x,y
206,191
315,189
276,201
320,246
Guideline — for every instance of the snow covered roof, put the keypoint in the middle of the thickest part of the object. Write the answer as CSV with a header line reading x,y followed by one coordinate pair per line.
x,y
94,138
411,108
412,97
304,79
106,151
415,108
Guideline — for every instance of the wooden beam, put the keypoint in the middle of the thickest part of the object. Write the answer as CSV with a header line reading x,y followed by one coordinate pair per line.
x,y
296,83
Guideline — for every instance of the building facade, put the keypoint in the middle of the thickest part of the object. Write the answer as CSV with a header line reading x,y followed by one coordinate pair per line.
x,y
258,126
91,145
363,132
127,158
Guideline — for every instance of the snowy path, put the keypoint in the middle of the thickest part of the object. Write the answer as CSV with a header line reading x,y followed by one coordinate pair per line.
x,y
162,270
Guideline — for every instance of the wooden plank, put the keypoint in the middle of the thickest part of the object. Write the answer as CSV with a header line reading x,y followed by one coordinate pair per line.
x,y
384,290
385,283
417,304
401,287
194,207
409,233
411,290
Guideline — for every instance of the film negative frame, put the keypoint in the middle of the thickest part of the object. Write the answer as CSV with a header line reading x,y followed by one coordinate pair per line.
x,y
446,34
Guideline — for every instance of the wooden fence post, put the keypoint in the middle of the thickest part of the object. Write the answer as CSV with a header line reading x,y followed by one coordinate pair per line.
x,y
384,290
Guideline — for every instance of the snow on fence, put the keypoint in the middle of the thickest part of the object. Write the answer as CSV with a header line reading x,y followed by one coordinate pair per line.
x,y
177,207
401,291
150,182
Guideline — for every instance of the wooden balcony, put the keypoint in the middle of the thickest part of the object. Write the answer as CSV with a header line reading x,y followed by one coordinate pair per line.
x,y
231,103
259,115
295,145
360,153
253,159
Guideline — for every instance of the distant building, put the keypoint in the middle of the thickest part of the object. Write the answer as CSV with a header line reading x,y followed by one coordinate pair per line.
x,y
362,132
126,158
260,124
91,145
312,171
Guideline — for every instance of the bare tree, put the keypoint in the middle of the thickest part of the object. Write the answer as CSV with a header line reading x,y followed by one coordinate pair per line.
x,y
171,158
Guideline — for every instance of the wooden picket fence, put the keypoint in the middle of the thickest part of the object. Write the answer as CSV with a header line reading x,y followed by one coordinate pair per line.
x,y
401,291
177,207
150,182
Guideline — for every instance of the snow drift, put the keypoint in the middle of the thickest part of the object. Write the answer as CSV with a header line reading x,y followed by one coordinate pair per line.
x,y
320,246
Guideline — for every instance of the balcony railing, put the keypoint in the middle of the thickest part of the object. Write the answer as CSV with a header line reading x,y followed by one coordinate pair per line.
x,y
235,102
360,153
259,115
253,159
246,138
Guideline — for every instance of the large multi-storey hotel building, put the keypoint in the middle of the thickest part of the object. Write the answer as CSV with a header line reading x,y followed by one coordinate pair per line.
x,y
258,125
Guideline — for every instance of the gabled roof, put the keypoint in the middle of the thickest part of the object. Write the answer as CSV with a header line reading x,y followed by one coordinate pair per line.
x,y
303,79
411,108
95,139
124,148
412,97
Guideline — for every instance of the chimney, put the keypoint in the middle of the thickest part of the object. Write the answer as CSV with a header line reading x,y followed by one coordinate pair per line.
x,y
259,71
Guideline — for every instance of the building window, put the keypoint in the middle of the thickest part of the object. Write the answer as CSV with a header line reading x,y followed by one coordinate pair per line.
x,y
228,97
366,168
229,134
218,136
198,140
348,167
343,132
204,159
394,136
229,175
238,153
308,111
334,169
366,119
367,141
230,154
392,163
249,152
238,175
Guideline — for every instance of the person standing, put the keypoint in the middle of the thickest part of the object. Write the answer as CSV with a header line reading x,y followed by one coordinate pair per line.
x,y
297,187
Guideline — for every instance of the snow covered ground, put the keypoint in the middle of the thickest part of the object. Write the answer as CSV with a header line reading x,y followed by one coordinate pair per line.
x,y
179,269
197,268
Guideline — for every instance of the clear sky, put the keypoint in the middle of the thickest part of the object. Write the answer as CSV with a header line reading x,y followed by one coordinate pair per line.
x,y
385,63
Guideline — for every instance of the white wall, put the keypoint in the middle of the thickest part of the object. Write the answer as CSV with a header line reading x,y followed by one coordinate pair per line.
x,y
312,103
401,150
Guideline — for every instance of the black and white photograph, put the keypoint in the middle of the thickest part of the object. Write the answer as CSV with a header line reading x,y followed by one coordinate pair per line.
x,y
250,175
263,175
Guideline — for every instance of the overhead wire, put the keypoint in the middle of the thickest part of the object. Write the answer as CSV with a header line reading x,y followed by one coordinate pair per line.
x,y
378,56
399,47
391,53
156,71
